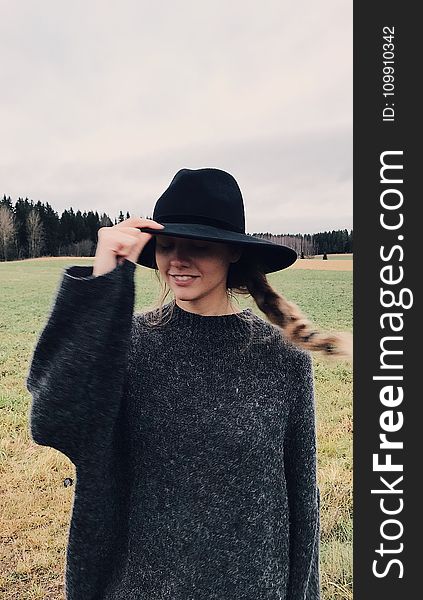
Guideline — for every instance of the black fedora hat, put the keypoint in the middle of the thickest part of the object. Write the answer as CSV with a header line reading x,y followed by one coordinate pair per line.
x,y
207,204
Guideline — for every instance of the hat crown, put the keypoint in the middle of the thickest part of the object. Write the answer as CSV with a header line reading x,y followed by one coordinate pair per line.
x,y
202,196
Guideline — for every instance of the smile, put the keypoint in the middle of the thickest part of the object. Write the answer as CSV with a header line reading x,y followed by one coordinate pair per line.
x,y
183,277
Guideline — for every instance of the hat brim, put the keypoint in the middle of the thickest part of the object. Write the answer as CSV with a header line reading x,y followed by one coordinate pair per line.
x,y
272,257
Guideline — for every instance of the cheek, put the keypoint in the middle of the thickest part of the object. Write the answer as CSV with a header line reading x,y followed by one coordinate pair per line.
x,y
213,268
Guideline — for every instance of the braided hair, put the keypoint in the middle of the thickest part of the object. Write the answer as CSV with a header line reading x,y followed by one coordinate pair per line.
x,y
247,277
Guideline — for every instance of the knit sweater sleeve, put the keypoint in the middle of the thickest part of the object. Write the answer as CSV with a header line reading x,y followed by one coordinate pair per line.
x,y
300,452
77,372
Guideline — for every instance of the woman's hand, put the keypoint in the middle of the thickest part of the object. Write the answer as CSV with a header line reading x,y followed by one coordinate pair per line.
x,y
120,242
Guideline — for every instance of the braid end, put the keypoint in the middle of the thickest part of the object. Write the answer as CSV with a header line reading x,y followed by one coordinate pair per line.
x,y
339,345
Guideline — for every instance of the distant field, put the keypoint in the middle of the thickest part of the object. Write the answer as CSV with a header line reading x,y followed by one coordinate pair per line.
x,y
336,256
35,504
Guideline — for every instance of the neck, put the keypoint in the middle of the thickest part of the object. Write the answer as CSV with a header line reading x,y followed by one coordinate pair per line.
x,y
206,308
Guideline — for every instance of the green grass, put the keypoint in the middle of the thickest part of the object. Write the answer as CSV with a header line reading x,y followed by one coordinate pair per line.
x,y
36,506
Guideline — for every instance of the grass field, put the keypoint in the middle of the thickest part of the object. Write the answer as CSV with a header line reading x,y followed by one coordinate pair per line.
x,y
35,505
334,257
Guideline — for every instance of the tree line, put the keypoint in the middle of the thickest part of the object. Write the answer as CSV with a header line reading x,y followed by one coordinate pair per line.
x,y
31,230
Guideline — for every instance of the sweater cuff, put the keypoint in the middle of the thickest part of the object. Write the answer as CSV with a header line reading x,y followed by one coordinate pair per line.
x,y
79,279
78,287
85,272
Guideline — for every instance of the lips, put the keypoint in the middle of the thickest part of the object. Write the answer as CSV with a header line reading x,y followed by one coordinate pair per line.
x,y
183,280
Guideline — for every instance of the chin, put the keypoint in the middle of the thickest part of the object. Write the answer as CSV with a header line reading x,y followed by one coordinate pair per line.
x,y
184,296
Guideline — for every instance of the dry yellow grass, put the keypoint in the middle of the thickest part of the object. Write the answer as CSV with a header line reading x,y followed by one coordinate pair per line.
x,y
317,264
35,508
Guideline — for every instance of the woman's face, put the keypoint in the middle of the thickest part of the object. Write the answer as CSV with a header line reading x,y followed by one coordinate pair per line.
x,y
204,263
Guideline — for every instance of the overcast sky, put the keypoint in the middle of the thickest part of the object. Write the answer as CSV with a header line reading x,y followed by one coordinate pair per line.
x,y
103,102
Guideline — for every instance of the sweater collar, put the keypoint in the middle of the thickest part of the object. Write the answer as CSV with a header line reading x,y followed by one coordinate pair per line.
x,y
236,323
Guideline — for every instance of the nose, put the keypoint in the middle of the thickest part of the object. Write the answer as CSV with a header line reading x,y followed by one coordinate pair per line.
x,y
179,255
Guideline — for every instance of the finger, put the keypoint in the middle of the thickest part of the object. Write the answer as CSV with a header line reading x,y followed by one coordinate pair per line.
x,y
134,231
139,222
126,238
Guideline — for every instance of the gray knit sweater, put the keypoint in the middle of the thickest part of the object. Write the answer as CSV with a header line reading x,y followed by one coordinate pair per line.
x,y
195,453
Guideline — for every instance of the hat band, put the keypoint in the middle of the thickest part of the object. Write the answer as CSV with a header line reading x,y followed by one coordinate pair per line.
x,y
199,220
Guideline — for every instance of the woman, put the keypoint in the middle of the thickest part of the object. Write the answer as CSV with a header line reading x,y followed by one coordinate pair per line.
x,y
191,426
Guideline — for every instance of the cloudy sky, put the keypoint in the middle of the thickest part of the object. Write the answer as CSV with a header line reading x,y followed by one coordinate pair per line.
x,y
103,102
